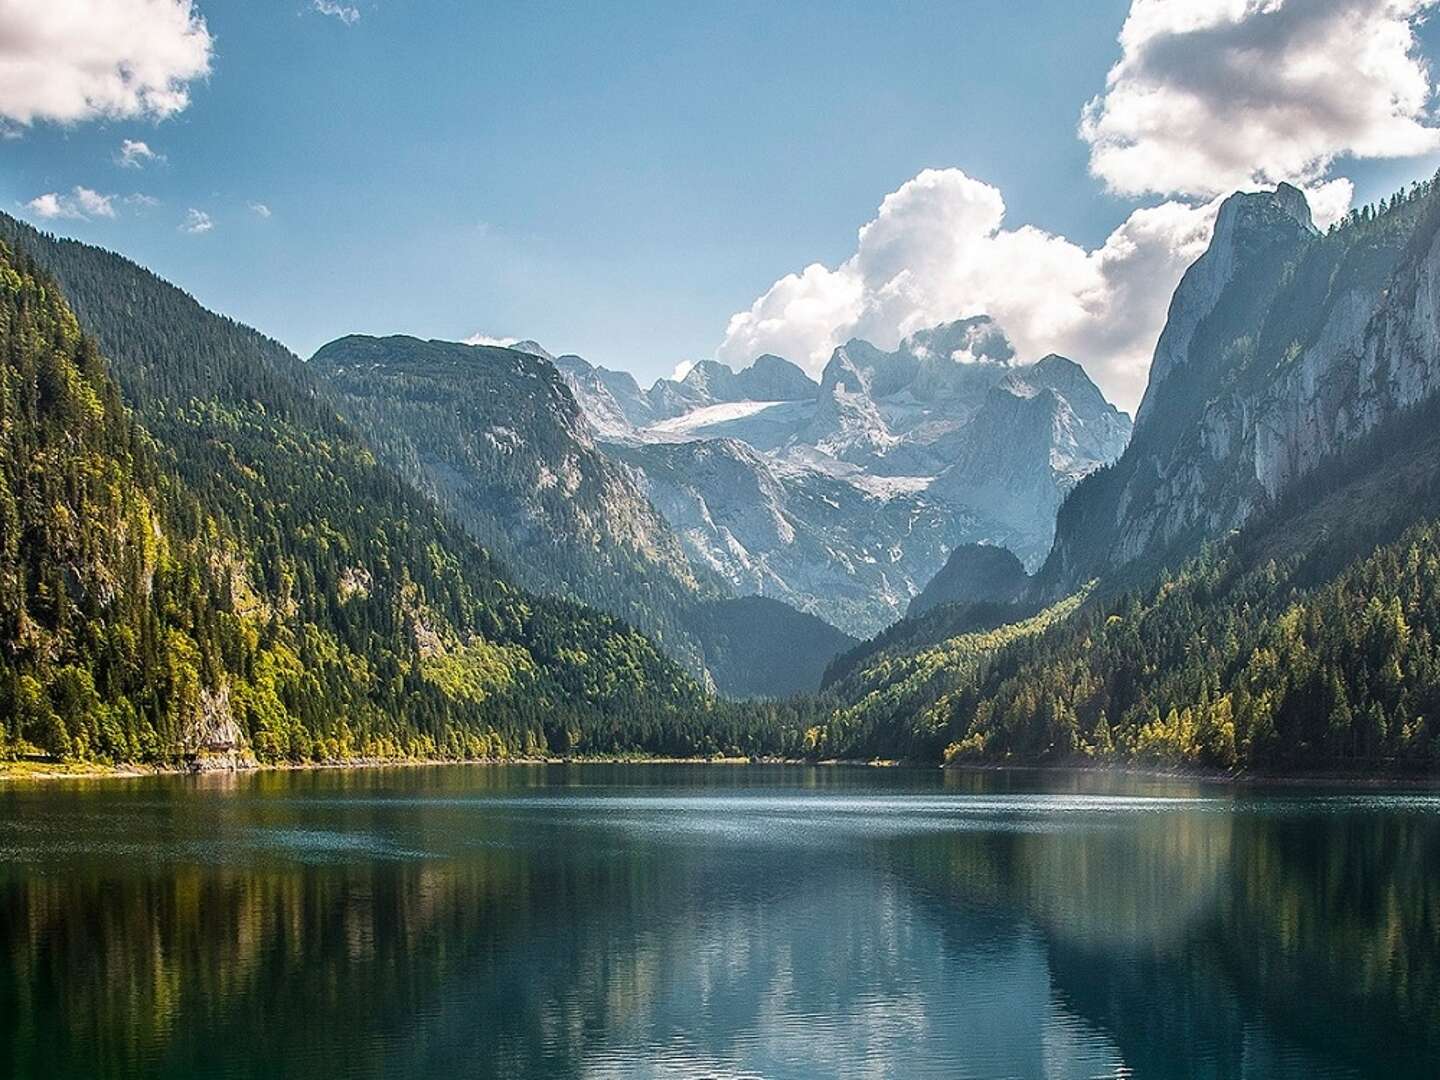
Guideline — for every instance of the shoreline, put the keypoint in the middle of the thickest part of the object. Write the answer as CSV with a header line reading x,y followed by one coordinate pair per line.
x,y
41,771
59,770
1317,778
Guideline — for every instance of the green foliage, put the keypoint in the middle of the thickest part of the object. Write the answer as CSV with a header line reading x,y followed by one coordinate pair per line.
x,y
99,604
497,439
1305,641
227,561
1222,664
896,705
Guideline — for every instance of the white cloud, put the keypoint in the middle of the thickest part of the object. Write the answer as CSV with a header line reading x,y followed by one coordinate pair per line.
x,y
938,250
1209,96
74,60
1330,201
196,221
142,200
93,204
82,203
48,205
259,209
681,370
134,154
486,339
1214,95
344,12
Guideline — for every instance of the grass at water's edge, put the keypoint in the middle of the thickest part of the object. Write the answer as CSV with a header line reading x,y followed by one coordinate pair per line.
x,y
66,770
11,771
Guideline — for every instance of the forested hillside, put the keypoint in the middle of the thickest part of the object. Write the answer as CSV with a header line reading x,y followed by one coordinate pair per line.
x,y
495,436
1309,640
234,551
109,577
1293,396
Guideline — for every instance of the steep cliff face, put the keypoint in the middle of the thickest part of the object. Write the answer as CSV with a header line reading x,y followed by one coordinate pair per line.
x,y
946,439
1371,360
1282,346
496,436
1038,432
853,551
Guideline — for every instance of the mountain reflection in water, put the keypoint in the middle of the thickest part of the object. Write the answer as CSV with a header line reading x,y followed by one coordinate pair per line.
x,y
611,921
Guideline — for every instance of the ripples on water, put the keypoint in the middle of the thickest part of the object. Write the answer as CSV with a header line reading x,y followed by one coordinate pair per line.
x,y
657,922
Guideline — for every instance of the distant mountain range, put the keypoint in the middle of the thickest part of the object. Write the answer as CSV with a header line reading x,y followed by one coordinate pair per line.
x,y
495,436
408,548
844,497
839,498
1255,583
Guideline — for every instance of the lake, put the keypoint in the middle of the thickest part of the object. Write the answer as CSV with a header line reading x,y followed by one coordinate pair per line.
x,y
688,922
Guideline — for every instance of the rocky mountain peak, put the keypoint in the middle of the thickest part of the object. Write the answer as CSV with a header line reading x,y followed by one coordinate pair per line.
x,y
1293,202
773,378
1254,232
534,348
710,378
963,340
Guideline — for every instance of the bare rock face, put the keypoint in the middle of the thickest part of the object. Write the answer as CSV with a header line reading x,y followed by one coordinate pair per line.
x,y
843,498
1041,429
821,543
213,741
1282,347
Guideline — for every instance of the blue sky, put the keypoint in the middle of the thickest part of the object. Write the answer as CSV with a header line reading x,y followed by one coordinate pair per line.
x,y
615,179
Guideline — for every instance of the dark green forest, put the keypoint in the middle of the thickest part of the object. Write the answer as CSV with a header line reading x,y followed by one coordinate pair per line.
x,y
495,437
200,541
199,548
1308,641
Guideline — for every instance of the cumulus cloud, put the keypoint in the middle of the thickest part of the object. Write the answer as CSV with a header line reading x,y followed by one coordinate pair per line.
x,y
82,203
134,154
682,369
344,12
486,339
74,60
259,209
938,249
1213,95
47,205
196,222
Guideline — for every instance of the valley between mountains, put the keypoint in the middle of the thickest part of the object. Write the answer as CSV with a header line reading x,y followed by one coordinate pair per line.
x,y
213,550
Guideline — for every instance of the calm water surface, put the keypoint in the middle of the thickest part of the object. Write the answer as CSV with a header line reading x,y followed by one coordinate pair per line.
x,y
689,922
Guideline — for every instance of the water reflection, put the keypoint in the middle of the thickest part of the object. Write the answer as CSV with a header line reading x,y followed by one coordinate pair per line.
x,y
610,922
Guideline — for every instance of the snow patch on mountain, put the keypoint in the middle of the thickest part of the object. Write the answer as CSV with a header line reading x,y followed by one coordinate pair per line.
x,y
844,497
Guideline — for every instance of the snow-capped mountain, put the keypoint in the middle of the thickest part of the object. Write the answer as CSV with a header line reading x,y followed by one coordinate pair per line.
x,y
851,549
845,497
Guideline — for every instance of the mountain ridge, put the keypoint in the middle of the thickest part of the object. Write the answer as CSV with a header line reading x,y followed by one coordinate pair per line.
x,y
947,439
1283,344
352,617
1252,586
